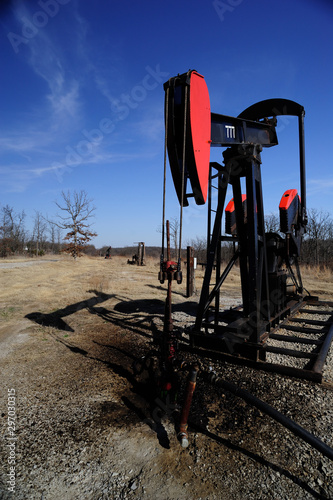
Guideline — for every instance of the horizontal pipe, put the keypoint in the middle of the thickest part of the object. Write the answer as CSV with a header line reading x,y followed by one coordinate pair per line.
x,y
272,412
318,366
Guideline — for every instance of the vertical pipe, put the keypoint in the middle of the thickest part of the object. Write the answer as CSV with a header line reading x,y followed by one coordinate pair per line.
x,y
302,165
190,273
183,176
168,338
209,221
167,313
168,240
191,383
165,162
217,277
263,291
242,243
253,243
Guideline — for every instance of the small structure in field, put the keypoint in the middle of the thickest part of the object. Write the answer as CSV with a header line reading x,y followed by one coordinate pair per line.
x,y
140,257
108,253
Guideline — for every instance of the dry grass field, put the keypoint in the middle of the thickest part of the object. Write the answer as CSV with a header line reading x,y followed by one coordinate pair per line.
x,y
69,333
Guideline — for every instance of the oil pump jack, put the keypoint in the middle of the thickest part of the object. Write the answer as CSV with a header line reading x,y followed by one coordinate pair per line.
x,y
271,284
270,276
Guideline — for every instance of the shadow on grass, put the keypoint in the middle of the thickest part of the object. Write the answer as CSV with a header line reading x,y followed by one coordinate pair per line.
x,y
137,316
55,320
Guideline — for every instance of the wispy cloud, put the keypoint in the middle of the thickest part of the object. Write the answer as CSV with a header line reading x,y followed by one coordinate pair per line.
x,y
64,92
17,178
49,61
61,129
97,158
24,142
315,186
49,121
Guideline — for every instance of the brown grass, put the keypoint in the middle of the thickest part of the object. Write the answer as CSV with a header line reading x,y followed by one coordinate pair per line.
x,y
48,286
318,281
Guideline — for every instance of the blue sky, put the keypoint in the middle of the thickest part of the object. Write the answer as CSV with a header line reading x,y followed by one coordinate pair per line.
x,y
82,100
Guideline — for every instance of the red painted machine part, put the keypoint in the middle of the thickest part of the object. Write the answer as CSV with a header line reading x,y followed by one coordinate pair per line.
x,y
200,121
287,198
231,205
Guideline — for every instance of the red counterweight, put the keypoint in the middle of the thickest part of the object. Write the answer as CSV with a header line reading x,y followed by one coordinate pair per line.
x,y
230,215
187,114
290,210
200,122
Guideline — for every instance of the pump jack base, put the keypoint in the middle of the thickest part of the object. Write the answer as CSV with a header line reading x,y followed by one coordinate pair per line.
x,y
231,340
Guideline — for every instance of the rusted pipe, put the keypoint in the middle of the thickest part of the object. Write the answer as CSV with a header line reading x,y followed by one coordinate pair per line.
x,y
191,383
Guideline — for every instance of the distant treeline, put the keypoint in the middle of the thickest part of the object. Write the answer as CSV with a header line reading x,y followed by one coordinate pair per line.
x,y
46,238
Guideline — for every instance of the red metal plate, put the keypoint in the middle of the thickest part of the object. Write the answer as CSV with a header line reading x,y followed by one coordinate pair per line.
x,y
287,199
230,215
200,122
231,205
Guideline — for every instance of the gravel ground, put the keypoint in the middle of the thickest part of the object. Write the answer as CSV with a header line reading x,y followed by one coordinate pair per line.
x,y
86,428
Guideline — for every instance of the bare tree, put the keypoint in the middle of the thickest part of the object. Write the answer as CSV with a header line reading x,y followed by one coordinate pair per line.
x,y
199,245
39,232
12,231
174,230
59,239
317,247
52,234
77,210
272,223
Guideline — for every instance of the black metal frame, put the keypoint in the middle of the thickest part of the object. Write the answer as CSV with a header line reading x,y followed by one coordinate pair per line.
x,y
248,325
245,330
266,261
